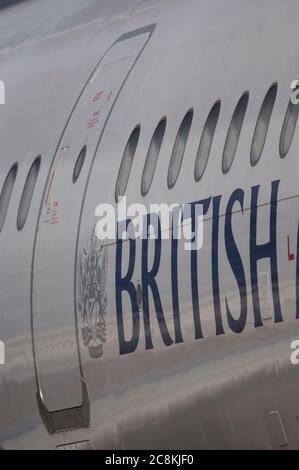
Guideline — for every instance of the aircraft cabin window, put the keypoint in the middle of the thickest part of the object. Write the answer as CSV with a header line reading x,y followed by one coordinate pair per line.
x,y
6,193
27,195
206,141
262,125
234,132
79,164
152,157
126,164
179,150
288,129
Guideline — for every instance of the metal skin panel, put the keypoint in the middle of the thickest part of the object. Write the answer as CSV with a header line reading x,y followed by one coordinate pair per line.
x,y
236,389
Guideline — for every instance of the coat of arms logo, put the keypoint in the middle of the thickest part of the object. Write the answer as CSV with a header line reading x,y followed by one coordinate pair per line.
x,y
92,295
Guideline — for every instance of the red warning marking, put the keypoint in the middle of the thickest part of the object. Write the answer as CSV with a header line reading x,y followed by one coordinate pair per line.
x,y
291,255
109,96
97,96
94,120
92,123
52,216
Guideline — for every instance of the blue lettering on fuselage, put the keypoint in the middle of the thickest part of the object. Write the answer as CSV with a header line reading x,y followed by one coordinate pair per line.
x,y
194,275
149,283
267,250
125,285
235,261
236,321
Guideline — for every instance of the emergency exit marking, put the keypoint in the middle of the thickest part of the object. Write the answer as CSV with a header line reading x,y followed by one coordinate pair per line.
x,y
291,256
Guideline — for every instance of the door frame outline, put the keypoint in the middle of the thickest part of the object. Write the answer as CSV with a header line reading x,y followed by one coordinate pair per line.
x,y
48,418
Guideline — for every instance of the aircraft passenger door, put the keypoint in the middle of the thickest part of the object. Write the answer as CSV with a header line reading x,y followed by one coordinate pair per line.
x,y
62,393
